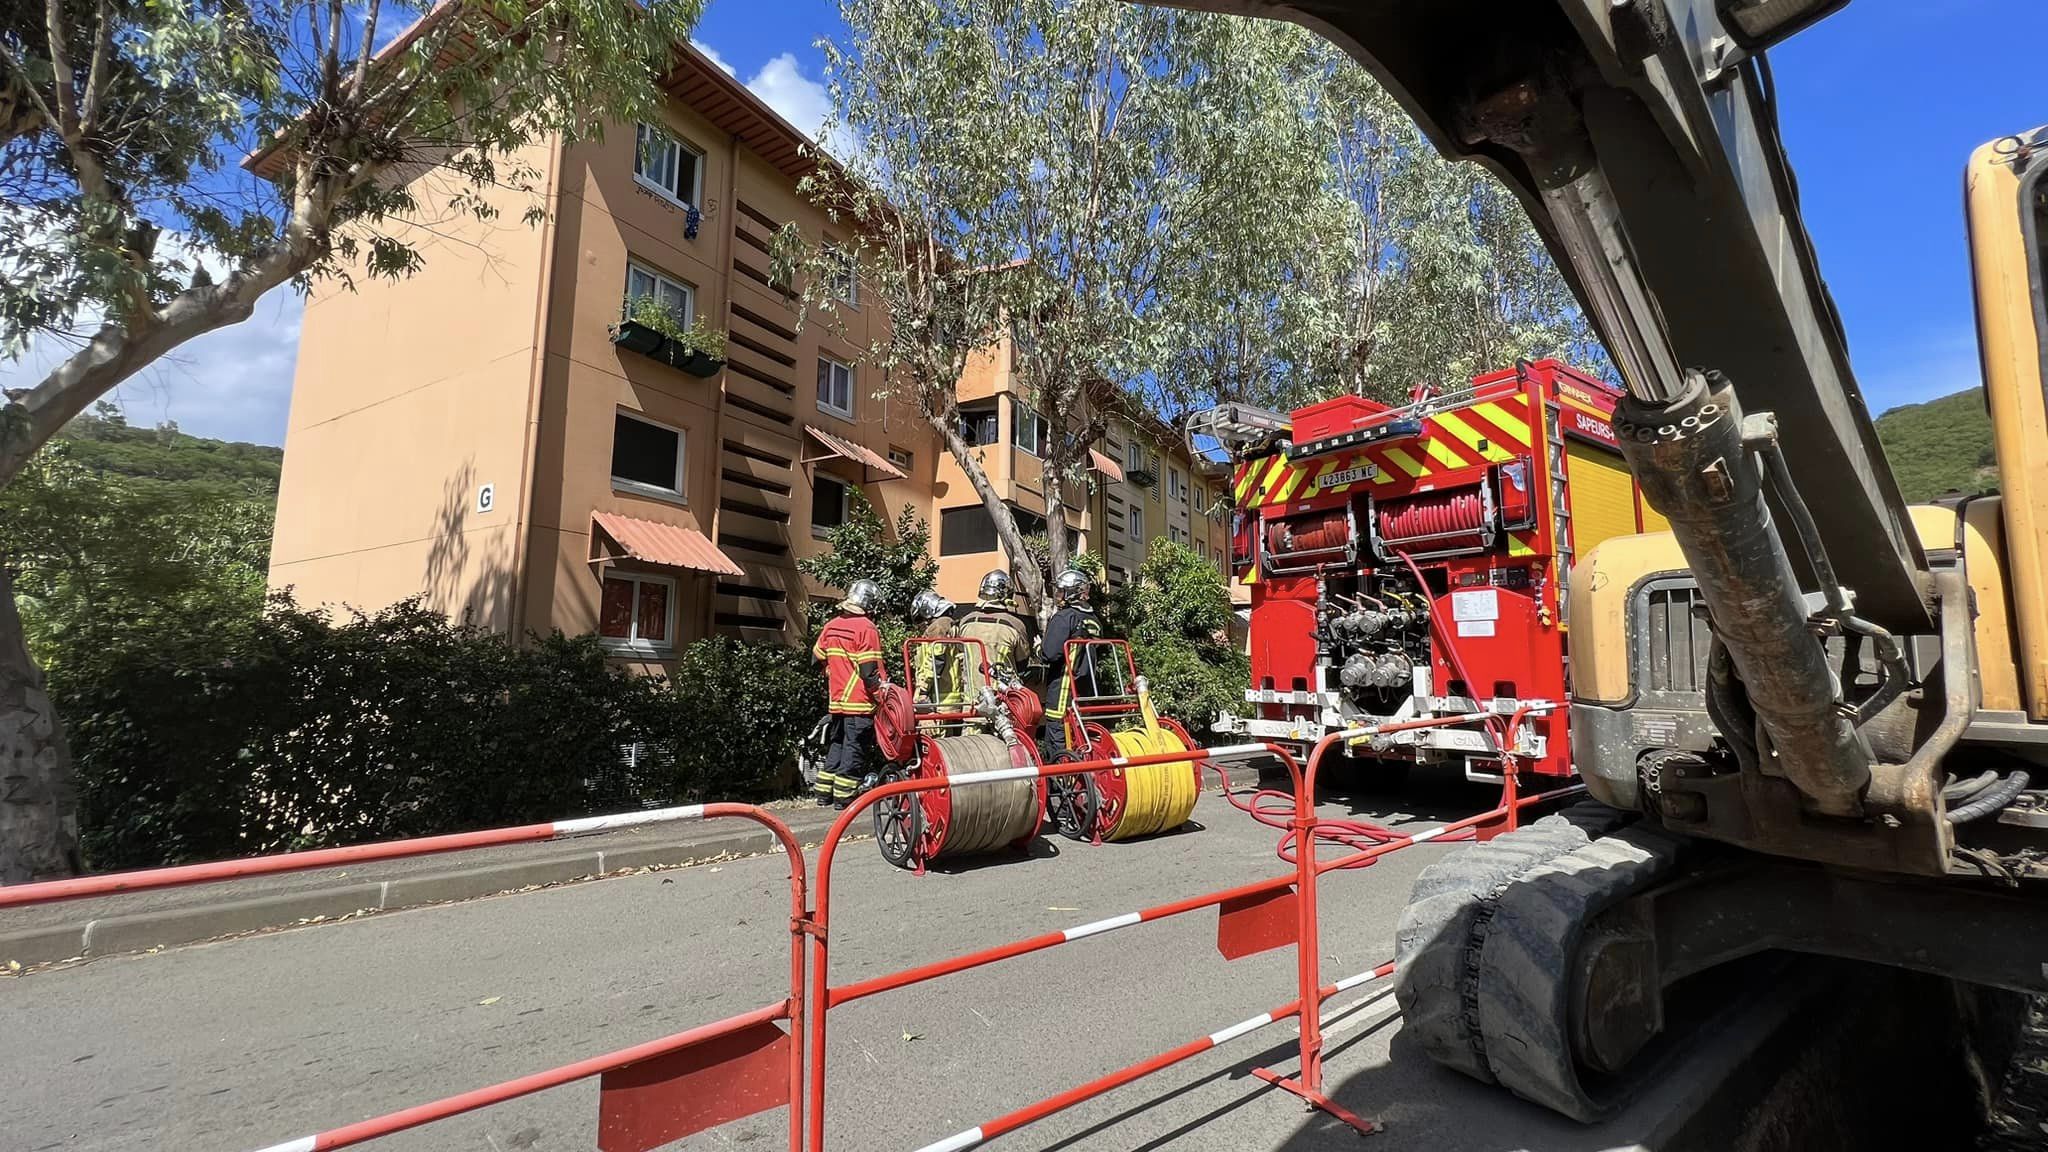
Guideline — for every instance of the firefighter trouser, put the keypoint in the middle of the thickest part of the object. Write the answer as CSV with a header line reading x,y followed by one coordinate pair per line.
x,y
845,758
1052,740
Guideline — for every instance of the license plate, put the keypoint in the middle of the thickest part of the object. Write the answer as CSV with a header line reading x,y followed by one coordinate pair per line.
x,y
1347,476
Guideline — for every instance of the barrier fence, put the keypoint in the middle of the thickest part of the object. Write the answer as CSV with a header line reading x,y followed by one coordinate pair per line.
x,y
662,1090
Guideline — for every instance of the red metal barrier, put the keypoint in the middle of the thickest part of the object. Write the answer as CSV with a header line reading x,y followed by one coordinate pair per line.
x,y
652,1093
824,996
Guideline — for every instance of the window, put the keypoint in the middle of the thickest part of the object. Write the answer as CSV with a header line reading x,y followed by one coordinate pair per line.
x,y
678,298
1201,498
1134,457
900,457
1136,521
637,613
845,274
828,504
667,165
1202,549
1177,484
646,457
978,426
835,387
966,531
1177,534
1028,432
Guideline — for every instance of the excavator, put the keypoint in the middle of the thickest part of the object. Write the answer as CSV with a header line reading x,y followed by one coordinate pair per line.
x,y
1812,717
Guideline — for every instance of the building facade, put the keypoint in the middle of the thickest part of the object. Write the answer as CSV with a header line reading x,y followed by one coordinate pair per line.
x,y
474,435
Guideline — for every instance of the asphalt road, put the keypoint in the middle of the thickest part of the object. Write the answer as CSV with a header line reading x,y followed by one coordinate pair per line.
x,y
245,1043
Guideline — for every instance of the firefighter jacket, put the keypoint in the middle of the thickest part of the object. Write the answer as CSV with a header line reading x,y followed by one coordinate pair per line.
x,y
940,672
1073,622
1005,637
845,643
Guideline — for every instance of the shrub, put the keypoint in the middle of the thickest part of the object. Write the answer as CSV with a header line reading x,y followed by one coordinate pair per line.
x,y
1177,616
234,736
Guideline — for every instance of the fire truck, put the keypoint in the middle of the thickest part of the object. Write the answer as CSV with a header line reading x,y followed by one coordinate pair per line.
x,y
1409,563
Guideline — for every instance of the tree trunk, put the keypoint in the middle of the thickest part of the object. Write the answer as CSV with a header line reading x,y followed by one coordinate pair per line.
x,y
1023,568
1056,551
38,797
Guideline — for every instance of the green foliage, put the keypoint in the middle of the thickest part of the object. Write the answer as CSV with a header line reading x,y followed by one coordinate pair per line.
x,y
114,531
1940,446
233,735
698,337
1177,616
734,712
899,561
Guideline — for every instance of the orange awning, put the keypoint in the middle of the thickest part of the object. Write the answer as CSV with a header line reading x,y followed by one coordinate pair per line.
x,y
1105,465
668,545
846,449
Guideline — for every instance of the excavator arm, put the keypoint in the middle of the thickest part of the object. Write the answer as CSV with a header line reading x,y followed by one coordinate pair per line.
x,y
1641,136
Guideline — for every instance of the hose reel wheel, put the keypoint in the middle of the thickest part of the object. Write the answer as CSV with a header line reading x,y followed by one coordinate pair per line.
x,y
895,724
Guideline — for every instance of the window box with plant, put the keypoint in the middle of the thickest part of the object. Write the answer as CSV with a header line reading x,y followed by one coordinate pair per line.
x,y
656,331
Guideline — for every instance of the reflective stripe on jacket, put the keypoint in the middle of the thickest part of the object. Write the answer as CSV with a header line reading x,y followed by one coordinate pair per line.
x,y
844,644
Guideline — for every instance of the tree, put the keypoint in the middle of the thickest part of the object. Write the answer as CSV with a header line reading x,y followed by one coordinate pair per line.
x,y
129,231
899,562
1039,178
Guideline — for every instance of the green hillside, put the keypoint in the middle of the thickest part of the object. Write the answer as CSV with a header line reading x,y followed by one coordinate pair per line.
x,y
103,442
1940,446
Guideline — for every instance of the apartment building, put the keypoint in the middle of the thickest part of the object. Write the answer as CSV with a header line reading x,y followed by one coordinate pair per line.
x,y
488,435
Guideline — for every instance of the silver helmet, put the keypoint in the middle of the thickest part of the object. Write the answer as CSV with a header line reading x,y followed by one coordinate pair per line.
x,y
1072,586
863,596
929,605
995,587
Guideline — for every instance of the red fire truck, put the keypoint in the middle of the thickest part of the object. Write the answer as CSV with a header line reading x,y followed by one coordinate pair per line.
x,y
1409,562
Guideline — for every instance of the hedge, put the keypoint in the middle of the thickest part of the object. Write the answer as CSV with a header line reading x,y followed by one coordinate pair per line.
x,y
295,730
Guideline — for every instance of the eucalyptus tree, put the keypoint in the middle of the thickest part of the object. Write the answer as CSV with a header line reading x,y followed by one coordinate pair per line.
x,y
128,225
1052,179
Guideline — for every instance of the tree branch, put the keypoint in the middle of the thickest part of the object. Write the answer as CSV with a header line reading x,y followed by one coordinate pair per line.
x,y
97,78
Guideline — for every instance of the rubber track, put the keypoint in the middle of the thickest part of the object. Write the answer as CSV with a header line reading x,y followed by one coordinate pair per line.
x,y
1530,952
1445,920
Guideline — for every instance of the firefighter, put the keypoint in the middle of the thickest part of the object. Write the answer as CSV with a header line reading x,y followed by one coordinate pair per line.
x,y
1002,632
851,650
1075,620
939,671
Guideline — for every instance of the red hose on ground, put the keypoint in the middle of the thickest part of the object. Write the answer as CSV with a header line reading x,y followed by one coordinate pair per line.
x,y
1275,809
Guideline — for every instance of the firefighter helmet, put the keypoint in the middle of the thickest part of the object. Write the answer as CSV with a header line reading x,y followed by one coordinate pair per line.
x,y
1072,586
862,596
995,587
929,605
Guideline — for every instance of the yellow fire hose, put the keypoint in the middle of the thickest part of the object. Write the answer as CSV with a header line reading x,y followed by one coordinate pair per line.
x,y
1157,797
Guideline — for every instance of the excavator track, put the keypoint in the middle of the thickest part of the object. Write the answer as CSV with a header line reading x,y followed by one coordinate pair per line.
x,y
1530,961
1446,921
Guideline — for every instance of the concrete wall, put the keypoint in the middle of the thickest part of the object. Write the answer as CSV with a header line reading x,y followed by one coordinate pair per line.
x,y
409,396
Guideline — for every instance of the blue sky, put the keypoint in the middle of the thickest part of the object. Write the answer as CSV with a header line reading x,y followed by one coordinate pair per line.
x,y
1881,105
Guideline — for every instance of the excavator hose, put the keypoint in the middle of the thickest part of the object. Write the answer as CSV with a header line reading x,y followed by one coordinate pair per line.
x,y
1991,801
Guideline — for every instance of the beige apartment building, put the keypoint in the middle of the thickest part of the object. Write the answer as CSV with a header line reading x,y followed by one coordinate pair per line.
x,y
473,434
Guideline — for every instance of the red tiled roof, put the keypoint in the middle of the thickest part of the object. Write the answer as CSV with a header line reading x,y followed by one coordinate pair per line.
x,y
1105,465
859,454
668,545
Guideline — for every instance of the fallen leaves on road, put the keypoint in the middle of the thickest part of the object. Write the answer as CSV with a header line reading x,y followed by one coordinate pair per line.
x,y
910,1036
1059,908
488,1001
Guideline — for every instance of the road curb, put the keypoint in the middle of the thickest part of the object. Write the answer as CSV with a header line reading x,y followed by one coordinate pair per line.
x,y
142,931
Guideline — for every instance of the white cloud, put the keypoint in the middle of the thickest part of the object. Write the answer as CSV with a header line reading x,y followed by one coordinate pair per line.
x,y
232,384
802,101
708,50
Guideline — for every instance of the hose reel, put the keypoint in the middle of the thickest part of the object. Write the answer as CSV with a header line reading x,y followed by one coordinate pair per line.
x,y
1137,800
919,827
